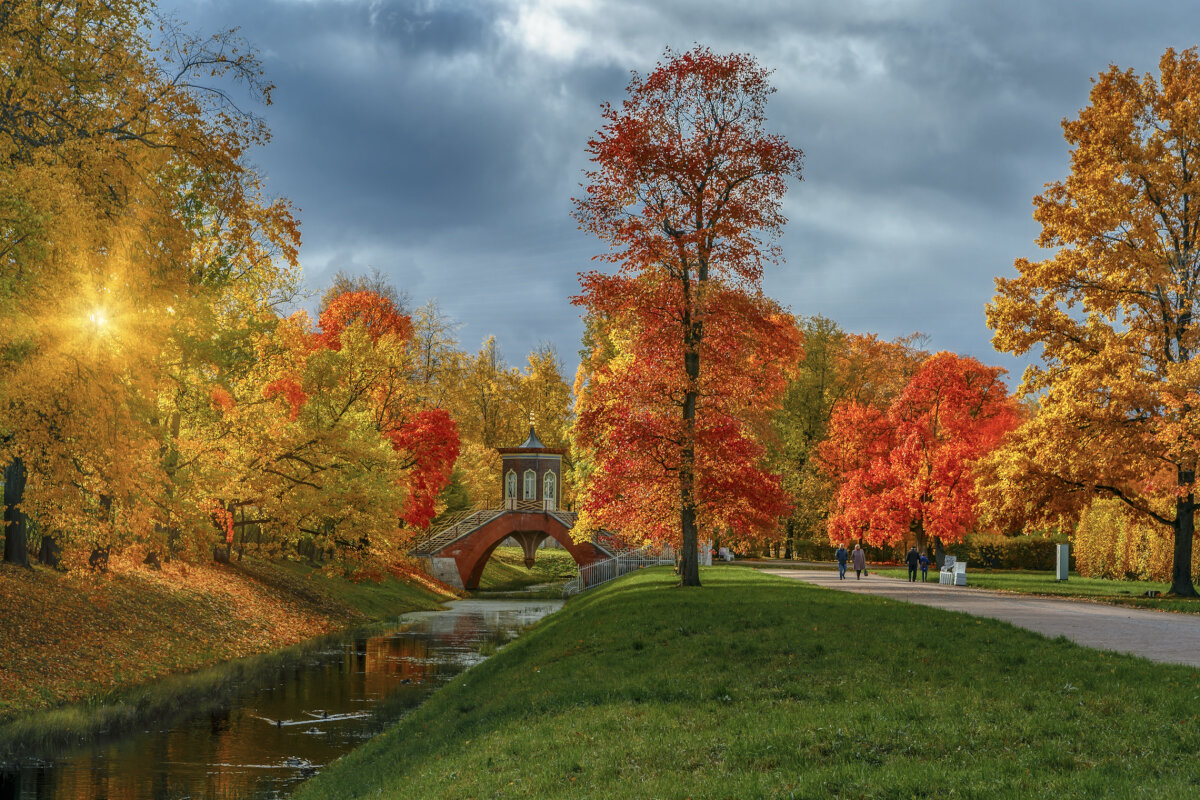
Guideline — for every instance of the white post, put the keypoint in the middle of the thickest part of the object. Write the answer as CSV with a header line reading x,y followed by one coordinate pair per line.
x,y
1062,565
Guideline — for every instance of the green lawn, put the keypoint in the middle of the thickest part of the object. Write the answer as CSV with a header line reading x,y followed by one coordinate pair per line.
x,y
506,570
757,686
1127,593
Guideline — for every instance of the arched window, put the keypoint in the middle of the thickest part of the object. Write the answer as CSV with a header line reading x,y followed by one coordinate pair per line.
x,y
530,485
548,487
510,485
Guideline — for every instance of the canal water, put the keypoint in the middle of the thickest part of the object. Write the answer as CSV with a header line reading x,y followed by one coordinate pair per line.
x,y
286,728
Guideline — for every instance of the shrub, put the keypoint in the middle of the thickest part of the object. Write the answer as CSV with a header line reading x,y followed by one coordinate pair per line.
x,y
993,551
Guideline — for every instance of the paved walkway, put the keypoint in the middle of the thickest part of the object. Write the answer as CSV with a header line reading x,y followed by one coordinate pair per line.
x,y
1156,635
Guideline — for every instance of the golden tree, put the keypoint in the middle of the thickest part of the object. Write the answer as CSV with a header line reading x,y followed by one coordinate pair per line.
x,y
127,214
1114,314
494,403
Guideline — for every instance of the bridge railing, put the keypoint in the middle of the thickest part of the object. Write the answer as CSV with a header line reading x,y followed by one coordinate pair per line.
x,y
601,572
513,504
463,522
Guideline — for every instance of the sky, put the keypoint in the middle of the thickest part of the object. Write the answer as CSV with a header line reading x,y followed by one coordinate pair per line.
x,y
440,142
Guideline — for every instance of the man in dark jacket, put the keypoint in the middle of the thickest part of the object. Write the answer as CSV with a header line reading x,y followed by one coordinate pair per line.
x,y
913,559
841,555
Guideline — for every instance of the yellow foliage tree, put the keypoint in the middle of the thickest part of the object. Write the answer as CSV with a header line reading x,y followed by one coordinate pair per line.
x,y
1114,314
125,209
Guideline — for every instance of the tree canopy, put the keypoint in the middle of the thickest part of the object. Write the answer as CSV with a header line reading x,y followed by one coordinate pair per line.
x,y
686,189
1112,313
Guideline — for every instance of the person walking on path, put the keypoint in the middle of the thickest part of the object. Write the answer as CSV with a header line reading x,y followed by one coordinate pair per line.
x,y
924,567
841,555
859,559
912,559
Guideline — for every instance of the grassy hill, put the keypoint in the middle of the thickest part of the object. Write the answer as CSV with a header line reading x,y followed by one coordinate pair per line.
x,y
757,686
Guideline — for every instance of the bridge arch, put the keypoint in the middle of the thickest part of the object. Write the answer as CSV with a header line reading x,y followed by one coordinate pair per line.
x,y
471,552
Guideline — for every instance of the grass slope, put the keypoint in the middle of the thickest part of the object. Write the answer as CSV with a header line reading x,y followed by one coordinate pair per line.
x,y
756,686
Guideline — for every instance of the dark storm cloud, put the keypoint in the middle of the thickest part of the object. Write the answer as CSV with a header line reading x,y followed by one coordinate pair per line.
x,y
441,141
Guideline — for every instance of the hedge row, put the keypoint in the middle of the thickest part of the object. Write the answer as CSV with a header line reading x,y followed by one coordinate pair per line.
x,y
989,551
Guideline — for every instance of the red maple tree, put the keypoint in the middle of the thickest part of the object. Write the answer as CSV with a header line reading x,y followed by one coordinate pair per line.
x,y
687,190
372,310
908,469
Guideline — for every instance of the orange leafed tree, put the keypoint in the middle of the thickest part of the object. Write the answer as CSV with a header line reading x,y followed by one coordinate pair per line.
x,y
630,432
328,437
1114,313
908,469
376,313
686,189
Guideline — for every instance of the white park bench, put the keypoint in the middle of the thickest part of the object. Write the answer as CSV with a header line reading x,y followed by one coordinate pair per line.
x,y
954,572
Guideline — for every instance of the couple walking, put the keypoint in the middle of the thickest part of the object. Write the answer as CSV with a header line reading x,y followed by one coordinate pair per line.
x,y
914,560
858,558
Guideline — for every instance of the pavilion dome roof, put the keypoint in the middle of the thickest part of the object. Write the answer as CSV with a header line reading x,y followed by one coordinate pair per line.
x,y
532,443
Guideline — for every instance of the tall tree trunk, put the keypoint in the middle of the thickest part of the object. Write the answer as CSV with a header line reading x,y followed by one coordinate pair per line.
x,y
918,532
689,566
242,531
689,558
1185,530
790,531
171,467
16,524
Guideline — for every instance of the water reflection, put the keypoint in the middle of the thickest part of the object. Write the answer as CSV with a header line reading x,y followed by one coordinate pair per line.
x,y
286,729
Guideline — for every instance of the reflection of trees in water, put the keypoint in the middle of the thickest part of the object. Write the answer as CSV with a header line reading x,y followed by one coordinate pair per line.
x,y
390,660
343,680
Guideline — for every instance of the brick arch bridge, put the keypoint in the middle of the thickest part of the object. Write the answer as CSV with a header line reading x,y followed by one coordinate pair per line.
x,y
457,552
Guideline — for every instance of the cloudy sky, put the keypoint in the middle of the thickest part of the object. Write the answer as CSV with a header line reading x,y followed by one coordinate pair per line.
x,y
440,141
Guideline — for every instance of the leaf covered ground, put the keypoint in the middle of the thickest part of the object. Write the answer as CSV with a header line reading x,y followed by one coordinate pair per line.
x,y
67,637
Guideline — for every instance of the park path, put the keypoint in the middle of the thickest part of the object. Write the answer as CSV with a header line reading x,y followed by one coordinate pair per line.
x,y
1155,635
